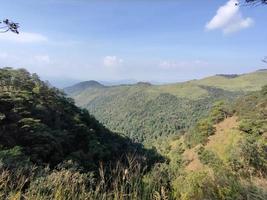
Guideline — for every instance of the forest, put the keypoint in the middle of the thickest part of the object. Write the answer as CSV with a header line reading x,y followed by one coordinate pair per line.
x,y
51,149
184,135
144,112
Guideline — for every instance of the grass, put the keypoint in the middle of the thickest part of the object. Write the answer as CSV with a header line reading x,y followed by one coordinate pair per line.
x,y
225,138
121,183
247,82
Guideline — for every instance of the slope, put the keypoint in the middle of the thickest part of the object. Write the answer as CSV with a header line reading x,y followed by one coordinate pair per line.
x,y
48,128
143,111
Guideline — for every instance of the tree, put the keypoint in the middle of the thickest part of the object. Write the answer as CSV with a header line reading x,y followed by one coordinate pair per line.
x,y
7,25
256,2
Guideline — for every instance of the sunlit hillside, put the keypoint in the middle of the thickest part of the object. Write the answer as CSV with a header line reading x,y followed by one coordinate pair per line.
x,y
143,111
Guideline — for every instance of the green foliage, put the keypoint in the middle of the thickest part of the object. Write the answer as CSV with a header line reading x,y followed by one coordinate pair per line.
x,y
200,133
223,184
50,129
195,185
219,111
254,127
252,110
250,156
40,126
176,158
209,158
158,181
145,112
253,151
13,158
204,127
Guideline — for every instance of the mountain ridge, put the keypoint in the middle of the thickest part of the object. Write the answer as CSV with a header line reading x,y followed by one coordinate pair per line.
x,y
102,83
143,111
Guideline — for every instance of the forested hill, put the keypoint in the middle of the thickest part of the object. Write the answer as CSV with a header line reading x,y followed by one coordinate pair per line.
x,y
143,111
83,86
42,124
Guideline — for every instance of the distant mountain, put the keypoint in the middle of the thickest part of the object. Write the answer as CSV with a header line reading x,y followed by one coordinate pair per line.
x,y
144,111
262,70
118,82
245,82
228,75
83,86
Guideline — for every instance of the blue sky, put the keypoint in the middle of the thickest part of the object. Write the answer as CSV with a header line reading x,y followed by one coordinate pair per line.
x,y
150,40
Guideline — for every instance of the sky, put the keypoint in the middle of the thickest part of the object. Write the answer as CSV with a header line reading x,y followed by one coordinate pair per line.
x,y
67,41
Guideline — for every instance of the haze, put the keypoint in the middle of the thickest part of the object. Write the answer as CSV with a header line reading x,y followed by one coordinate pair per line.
x,y
161,41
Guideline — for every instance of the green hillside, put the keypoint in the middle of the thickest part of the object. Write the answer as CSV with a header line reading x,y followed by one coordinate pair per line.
x,y
143,111
51,149
246,82
45,126
224,155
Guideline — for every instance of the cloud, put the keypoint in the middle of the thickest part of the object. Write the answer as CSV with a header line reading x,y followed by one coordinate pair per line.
x,y
24,37
172,65
112,61
45,59
229,19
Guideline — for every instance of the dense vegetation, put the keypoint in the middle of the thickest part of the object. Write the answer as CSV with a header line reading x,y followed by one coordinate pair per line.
x,y
50,149
224,156
40,122
144,111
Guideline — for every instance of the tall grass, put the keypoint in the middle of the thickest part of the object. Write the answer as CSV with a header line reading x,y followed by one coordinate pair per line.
x,y
124,181
120,182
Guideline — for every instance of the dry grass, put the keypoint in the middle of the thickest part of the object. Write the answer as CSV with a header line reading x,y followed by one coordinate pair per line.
x,y
191,157
121,182
225,138
221,143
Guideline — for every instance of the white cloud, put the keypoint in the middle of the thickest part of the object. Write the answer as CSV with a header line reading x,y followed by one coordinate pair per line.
x,y
112,61
229,18
45,59
24,37
172,65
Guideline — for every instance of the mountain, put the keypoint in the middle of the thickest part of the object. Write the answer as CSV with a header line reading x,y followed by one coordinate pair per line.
x,y
143,111
245,82
83,86
224,155
46,126
118,82
51,149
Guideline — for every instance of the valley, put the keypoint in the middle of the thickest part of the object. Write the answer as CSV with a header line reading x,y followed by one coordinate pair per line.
x,y
133,100
145,112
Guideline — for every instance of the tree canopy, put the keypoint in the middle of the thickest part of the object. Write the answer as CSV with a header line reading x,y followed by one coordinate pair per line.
x,y
50,129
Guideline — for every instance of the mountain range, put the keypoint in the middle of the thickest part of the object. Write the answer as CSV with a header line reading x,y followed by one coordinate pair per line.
x,y
145,111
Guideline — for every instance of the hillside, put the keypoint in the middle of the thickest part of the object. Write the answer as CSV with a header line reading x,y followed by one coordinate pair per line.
x,y
143,111
223,156
48,128
51,149
245,82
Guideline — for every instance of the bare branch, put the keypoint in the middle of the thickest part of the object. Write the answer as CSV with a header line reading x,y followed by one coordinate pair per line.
x,y
9,26
256,2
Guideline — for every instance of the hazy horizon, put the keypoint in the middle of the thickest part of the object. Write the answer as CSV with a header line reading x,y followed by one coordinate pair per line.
x,y
69,41
63,83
